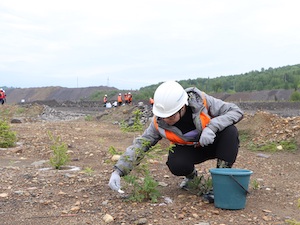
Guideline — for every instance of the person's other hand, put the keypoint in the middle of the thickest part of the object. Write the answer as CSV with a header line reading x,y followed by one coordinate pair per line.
x,y
115,181
207,137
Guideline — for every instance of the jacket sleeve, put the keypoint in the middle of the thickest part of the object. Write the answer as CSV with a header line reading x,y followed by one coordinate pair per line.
x,y
223,113
135,152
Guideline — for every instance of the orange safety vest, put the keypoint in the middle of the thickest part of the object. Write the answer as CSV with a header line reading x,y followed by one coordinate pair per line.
x,y
119,98
105,99
151,101
204,117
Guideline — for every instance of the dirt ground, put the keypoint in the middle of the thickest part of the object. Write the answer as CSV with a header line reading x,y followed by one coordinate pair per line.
x,y
31,192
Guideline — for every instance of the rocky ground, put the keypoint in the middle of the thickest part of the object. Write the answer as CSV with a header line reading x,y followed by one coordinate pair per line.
x,y
31,192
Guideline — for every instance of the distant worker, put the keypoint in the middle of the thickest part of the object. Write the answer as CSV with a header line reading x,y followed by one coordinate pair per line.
x,y
2,96
129,98
120,100
151,101
126,98
104,100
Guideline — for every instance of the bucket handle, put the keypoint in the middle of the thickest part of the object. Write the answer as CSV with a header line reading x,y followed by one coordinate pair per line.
x,y
239,184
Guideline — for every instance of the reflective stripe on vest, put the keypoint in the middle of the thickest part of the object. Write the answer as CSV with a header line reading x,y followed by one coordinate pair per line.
x,y
205,119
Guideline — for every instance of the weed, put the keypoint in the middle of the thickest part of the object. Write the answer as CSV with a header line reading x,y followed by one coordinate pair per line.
x,y
20,110
244,135
8,138
88,170
137,124
60,156
200,184
88,118
113,151
255,185
145,188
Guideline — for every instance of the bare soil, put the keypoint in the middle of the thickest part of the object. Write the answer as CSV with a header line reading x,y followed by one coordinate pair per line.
x,y
30,194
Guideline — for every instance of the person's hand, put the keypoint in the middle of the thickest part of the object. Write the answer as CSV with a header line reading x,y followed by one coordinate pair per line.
x,y
115,181
207,137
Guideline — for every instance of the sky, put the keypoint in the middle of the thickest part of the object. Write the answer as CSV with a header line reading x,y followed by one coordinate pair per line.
x,y
135,43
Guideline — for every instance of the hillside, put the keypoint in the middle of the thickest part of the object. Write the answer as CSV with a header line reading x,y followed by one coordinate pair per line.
x,y
61,94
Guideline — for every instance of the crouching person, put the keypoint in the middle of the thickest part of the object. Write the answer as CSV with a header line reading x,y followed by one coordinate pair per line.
x,y
200,126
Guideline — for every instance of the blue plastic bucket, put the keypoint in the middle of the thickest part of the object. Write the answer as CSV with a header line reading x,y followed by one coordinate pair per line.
x,y
230,187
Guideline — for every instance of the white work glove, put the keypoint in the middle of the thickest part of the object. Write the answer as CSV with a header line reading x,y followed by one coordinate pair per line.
x,y
115,181
207,137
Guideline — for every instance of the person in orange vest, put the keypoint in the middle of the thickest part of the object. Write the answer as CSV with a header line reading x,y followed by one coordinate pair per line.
x,y
2,96
104,100
126,98
120,100
200,128
151,101
129,98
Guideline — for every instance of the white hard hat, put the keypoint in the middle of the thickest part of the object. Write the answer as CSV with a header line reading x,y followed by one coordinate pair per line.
x,y
169,98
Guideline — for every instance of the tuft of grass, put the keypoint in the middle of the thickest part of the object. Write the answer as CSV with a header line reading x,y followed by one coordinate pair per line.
x,y
255,185
88,118
88,170
287,145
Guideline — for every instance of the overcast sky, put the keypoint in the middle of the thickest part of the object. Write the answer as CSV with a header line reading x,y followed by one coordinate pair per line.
x,y
130,44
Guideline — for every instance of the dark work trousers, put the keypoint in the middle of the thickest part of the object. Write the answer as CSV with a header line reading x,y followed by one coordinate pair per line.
x,y
182,158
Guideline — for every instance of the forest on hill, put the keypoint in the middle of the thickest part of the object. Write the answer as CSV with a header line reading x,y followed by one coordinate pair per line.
x,y
287,77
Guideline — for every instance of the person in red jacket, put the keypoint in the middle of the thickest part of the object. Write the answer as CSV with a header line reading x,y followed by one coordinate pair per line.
x,y
2,96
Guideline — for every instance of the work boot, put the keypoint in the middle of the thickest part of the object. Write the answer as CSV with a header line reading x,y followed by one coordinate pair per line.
x,y
187,183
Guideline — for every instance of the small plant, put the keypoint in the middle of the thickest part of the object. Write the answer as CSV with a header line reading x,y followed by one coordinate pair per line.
x,y
244,135
137,125
88,118
200,185
7,137
145,188
255,184
60,156
88,170
113,151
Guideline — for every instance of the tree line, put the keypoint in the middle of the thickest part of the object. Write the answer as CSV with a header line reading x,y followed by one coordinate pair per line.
x,y
286,77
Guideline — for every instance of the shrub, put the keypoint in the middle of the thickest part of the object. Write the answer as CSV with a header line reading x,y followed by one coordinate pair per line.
x,y
60,156
295,96
7,137
137,125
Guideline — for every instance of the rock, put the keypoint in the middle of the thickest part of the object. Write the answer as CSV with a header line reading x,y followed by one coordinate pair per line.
x,y
108,218
3,195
